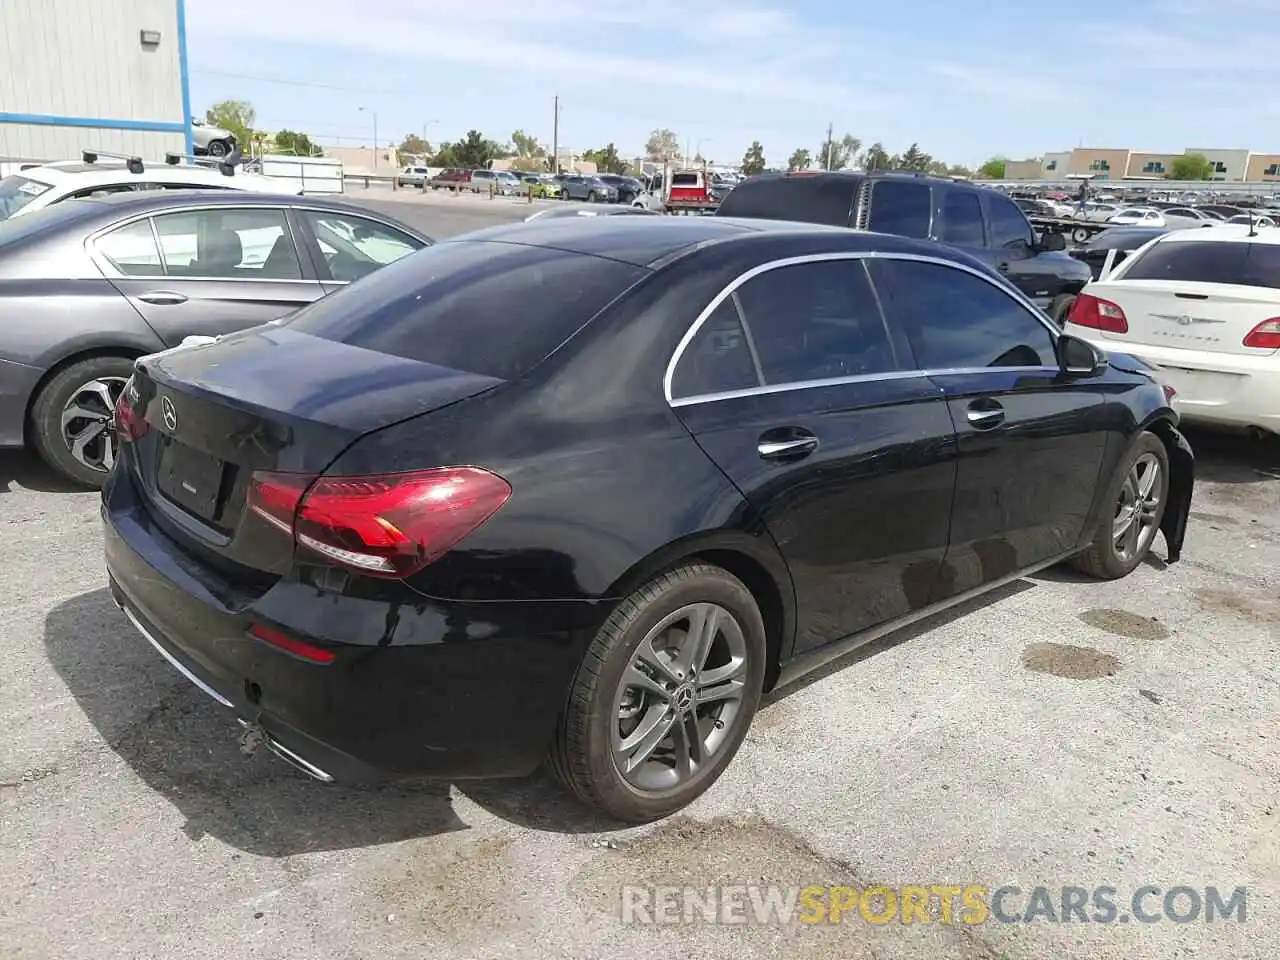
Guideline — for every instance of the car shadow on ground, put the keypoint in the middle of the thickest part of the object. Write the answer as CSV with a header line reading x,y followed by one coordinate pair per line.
x,y
186,748
20,469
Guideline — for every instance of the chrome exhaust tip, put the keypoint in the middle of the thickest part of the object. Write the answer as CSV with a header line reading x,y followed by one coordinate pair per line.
x,y
287,755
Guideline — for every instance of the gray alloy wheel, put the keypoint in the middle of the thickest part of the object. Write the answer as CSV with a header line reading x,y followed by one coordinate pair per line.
x,y
564,194
679,697
218,148
1138,508
86,423
1137,498
70,422
664,694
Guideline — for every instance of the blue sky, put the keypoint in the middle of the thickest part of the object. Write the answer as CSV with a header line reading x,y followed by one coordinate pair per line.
x,y
965,80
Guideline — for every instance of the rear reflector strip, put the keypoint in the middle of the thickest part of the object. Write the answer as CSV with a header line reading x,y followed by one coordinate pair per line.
x,y
292,645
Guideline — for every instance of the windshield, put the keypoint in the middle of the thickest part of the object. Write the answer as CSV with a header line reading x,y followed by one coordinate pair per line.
x,y
16,192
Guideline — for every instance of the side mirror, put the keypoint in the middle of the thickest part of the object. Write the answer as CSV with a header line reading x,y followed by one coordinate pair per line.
x,y
1053,242
1079,358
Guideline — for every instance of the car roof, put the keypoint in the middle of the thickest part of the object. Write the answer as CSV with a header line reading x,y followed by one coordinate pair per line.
x,y
1224,233
78,175
648,241
147,200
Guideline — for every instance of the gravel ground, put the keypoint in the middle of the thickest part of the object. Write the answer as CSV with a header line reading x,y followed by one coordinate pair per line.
x,y
1059,732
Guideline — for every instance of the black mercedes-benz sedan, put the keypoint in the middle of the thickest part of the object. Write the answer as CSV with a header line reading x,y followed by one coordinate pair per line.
x,y
585,489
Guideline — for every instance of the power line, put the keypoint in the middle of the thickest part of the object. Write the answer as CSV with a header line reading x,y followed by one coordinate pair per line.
x,y
291,83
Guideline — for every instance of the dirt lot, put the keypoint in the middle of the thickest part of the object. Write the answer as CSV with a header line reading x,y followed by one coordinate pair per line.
x,y
1061,732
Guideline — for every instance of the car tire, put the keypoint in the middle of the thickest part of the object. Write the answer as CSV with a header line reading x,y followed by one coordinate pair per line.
x,y
219,148
592,196
1060,307
75,382
1127,497
587,754
1081,235
564,194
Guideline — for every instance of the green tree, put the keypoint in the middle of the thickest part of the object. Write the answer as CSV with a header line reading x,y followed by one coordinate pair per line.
x,y
753,159
959,170
606,159
914,159
298,144
663,144
1191,166
475,151
800,160
234,116
993,169
876,157
413,145
526,147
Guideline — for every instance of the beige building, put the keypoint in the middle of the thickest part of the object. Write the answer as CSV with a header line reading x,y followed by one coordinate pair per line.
x,y
1099,162
1023,169
1153,165
1263,167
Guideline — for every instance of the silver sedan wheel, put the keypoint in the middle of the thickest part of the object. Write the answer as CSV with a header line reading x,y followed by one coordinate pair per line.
x,y
86,423
679,697
1134,525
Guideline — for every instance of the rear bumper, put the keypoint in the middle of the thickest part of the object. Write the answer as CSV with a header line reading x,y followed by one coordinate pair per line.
x,y
17,380
1234,390
418,688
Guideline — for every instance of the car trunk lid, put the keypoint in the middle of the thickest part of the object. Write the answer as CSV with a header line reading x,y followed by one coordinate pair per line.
x,y
212,415
1214,317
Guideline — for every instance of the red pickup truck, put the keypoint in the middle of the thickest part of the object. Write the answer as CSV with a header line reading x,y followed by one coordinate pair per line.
x,y
689,191
452,178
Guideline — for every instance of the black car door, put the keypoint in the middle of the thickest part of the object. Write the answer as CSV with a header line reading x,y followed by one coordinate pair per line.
x,y
208,271
1030,439
1013,250
794,386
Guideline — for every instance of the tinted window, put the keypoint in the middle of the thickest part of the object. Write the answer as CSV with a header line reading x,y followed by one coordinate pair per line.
x,y
825,200
1250,264
717,359
16,192
902,208
496,309
962,219
684,179
958,321
131,249
223,243
353,246
815,321
1008,225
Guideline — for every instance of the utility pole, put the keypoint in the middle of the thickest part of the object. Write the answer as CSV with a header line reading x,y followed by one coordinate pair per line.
x,y
555,138
830,133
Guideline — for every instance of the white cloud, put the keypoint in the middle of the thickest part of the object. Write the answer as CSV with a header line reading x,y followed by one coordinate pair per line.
x,y
728,50
1012,86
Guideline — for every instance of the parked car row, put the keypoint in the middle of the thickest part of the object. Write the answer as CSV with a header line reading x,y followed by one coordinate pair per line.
x,y
603,188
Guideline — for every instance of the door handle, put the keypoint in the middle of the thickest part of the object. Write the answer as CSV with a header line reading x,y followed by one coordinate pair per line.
x,y
162,297
783,449
984,415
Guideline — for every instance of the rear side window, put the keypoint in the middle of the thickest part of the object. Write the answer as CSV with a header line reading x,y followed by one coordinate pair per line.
x,y
497,309
718,358
825,200
962,219
1247,264
1009,228
815,321
902,208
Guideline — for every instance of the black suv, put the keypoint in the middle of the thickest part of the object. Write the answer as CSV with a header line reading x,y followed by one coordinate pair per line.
x,y
984,223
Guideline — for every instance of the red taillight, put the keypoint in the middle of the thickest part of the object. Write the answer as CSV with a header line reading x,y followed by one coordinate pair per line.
x,y
129,422
1097,314
1265,336
389,526
292,645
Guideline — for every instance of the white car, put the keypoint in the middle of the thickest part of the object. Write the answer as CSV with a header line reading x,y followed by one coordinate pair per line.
x,y
37,187
1095,212
1204,307
1139,217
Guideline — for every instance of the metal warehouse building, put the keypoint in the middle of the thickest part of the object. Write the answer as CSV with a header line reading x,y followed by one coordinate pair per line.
x,y
82,74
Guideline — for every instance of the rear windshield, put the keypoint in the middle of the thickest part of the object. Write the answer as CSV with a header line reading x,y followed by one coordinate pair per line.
x,y
825,200
684,179
16,192
1247,264
497,309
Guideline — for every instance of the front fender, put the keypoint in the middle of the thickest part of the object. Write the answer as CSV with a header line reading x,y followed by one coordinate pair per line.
x,y
1182,469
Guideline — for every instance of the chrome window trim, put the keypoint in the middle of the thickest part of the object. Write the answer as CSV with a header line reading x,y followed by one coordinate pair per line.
x,y
1013,293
